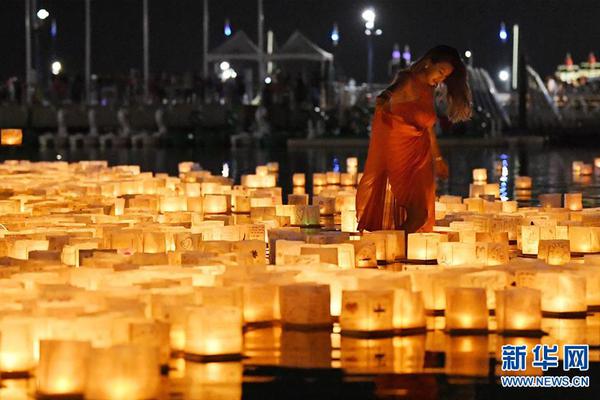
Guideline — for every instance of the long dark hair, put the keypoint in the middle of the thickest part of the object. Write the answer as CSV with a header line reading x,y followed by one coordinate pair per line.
x,y
458,94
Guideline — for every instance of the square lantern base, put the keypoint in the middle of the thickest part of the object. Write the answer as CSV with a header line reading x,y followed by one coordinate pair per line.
x,y
421,262
308,327
251,326
42,396
368,334
467,332
15,375
565,315
523,333
410,331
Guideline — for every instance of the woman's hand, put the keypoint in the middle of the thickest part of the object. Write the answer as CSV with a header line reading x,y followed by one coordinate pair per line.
x,y
441,168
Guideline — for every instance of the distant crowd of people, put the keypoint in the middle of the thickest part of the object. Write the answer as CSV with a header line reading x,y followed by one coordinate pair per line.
x,y
167,88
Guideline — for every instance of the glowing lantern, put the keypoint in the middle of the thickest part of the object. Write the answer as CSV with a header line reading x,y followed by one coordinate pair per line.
x,y
260,303
518,309
550,200
333,178
262,170
62,367
409,310
466,309
587,169
298,199
123,372
367,310
319,179
326,204
476,189
213,331
349,221
509,206
389,244
576,167
16,346
299,179
562,292
348,179
474,204
523,182
492,189
424,246
11,137
352,165
480,175
215,204
365,251
573,201
305,305
554,252
532,234
584,239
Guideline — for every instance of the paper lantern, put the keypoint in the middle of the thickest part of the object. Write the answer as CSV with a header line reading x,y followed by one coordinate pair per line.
x,y
562,292
349,221
518,310
492,189
11,137
123,372
532,234
326,204
587,169
509,206
62,367
298,179
423,246
352,165
466,309
333,178
298,199
215,204
365,253
554,252
573,201
213,331
319,179
476,189
480,175
584,239
550,200
457,253
16,345
262,170
474,204
305,216
305,305
348,179
409,310
261,303
367,310
523,182
576,167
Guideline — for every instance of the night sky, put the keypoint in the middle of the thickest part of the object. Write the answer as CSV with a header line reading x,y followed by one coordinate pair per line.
x,y
550,28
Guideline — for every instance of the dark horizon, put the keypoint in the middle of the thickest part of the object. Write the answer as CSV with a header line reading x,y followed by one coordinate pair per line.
x,y
549,29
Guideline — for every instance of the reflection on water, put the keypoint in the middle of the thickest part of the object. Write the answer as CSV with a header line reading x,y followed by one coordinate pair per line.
x,y
550,167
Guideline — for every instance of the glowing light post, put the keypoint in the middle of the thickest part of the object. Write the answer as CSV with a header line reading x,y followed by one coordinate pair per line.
x,y
368,16
227,29
515,57
469,57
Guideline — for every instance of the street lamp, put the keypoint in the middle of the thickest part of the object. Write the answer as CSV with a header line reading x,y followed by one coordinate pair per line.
x,y
503,35
227,29
56,67
43,14
368,15
335,34
503,75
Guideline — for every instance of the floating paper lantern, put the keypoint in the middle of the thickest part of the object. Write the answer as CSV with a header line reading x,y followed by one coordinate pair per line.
x,y
298,199
550,200
532,234
562,292
326,204
523,182
348,179
480,175
576,167
352,165
319,179
305,305
466,309
474,204
349,221
457,253
123,372
476,189
213,331
423,246
62,367
333,178
299,179
518,310
365,253
584,239
11,137
16,346
573,201
262,170
587,169
215,204
390,245
554,252
261,303
367,310
409,310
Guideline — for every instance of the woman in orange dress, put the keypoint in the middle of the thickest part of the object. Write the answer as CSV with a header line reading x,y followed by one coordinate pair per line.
x,y
403,152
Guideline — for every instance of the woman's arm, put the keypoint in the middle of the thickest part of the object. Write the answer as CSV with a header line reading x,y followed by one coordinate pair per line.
x,y
441,167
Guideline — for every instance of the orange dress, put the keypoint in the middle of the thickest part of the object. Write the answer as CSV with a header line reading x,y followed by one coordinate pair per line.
x,y
397,190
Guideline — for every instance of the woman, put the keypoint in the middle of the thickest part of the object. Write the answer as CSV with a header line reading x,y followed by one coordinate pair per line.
x,y
403,151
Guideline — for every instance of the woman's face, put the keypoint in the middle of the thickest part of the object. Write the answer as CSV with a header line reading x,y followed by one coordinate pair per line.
x,y
436,73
